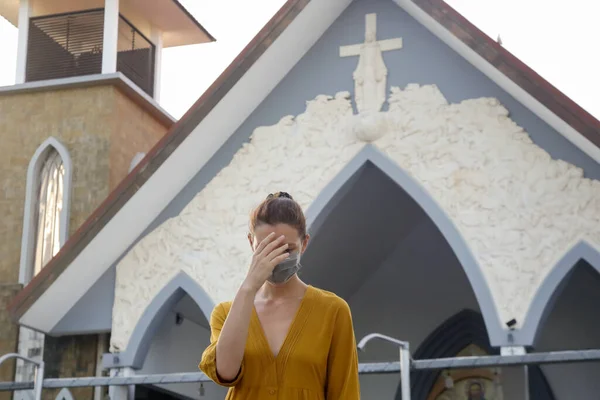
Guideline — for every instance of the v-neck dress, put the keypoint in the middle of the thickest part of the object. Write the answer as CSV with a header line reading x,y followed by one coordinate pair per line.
x,y
317,361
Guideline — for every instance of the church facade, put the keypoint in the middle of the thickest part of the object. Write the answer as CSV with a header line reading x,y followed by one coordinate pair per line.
x,y
452,195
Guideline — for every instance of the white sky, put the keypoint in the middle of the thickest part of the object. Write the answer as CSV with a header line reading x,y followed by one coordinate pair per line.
x,y
562,46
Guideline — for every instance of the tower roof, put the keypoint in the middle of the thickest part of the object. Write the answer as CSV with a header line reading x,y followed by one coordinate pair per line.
x,y
178,26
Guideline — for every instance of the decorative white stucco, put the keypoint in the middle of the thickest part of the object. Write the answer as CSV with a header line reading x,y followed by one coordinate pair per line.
x,y
518,209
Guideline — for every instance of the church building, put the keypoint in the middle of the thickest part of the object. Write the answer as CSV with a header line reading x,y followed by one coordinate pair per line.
x,y
452,196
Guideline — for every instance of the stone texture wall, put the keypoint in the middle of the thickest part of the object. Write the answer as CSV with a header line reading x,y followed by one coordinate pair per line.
x,y
81,119
102,129
71,357
8,335
135,131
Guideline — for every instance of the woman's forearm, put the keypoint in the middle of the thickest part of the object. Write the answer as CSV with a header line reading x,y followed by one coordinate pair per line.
x,y
232,340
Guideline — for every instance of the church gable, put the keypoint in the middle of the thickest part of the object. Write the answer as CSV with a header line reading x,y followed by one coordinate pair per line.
x,y
469,156
307,144
416,57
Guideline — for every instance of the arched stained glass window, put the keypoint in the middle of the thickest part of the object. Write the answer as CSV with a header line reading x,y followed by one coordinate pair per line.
x,y
50,206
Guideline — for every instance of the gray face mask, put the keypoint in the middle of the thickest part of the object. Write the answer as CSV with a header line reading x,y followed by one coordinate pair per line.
x,y
286,269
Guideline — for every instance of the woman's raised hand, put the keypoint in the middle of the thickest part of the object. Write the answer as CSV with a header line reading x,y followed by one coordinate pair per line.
x,y
267,255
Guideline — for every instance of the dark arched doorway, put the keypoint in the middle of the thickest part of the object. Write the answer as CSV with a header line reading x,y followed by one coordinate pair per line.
x,y
458,333
571,322
378,243
170,337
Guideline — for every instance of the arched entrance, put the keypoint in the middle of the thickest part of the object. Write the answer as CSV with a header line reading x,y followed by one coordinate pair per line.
x,y
461,332
382,243
569,321
170,337
552,287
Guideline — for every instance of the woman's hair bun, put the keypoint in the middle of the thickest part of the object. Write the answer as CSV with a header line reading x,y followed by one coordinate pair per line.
x,y
280,194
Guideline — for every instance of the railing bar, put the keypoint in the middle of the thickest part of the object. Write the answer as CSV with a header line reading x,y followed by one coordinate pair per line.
x,y
364,369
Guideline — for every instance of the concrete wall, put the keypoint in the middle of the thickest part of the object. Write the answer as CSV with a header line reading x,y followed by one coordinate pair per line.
x,y
99,298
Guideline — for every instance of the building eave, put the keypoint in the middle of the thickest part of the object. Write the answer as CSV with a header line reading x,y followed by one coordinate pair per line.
x,y
210,37
185,28
117,79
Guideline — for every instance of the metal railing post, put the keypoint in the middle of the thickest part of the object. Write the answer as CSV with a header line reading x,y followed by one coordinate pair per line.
x,y
405,371
39,371
405,360
39,381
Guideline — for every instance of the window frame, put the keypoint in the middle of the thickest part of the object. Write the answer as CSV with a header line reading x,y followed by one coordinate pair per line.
x,y
28,240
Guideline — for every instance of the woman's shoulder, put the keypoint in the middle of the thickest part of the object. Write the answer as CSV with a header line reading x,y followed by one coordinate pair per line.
x,y
224,305
222,308
330,300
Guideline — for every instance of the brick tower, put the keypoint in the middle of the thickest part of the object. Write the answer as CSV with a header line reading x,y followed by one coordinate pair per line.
x,y
83,111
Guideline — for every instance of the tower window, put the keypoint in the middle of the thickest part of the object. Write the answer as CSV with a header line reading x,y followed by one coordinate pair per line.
x,y
50,206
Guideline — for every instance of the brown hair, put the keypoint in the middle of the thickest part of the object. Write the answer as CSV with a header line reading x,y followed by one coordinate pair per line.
x,y
279,208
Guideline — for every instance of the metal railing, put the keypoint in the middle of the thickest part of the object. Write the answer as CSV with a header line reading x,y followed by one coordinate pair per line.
x,y
71,44
405,359
39,371
404,366
135,56
65,45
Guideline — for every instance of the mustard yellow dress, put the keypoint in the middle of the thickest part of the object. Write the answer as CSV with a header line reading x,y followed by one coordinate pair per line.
x,y
317,361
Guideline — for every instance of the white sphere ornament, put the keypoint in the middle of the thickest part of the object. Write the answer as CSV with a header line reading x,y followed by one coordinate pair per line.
x,y
369,127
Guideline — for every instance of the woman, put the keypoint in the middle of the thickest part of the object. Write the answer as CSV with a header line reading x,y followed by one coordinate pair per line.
x,y
280,338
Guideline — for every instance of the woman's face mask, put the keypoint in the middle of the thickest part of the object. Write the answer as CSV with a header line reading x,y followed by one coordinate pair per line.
x,y
286,269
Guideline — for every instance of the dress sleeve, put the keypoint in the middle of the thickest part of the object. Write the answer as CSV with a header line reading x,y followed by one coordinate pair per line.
x,y
342,363
208,364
